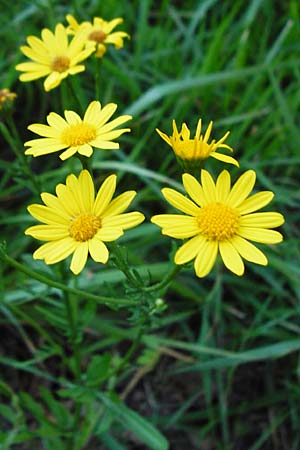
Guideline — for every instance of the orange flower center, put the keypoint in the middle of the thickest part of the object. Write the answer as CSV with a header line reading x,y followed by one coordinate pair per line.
x,y
79,134
84,227
218,222
60,64
98,36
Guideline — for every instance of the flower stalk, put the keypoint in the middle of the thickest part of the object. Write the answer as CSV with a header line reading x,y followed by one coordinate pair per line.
x,y
108,301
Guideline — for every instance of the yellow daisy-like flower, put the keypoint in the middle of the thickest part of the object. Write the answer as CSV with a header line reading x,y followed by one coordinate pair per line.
x,y
220,219
99,32
192,152
6,98
53,56
76,222
78,135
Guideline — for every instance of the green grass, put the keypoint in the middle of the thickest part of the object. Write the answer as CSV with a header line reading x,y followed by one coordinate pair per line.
x,y
218,365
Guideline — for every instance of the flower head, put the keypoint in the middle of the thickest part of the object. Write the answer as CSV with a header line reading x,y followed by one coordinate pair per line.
x,y
53,56
192,152
76,222
6,98
77,135
99,32
220,219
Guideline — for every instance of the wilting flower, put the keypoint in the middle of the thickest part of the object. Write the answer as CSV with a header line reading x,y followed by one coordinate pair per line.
x,y
6,98
53,56
220,219
191,152
76,222
99,32
78,135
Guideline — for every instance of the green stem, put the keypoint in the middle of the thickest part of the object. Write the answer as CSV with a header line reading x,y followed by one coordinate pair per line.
x,y
162,284
97,78
71,307
123,266
131,349
86,163
11,135
36,276
75,94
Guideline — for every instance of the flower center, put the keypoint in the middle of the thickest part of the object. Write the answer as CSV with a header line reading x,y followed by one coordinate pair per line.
x,y
218,222
78,134
191,149
60,64
84,227
98,36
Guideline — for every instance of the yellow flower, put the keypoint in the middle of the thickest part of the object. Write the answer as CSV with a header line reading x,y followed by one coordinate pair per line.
x,y
192,152
6,98
77,135
220,219
99,32
76,222
53,56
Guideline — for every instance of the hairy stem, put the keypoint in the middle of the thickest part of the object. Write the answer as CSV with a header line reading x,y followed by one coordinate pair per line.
x,y
36,276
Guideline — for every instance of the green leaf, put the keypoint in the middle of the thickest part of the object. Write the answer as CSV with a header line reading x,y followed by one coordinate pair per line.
x,y
98,370
133,422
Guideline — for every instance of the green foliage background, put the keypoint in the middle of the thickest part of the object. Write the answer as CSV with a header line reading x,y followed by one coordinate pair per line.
x,y
219,368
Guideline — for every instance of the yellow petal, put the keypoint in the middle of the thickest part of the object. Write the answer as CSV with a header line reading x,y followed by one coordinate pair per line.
x,y
105,145
164,137
119,204
68,153
260,235
180,202
43,143
109,136
189,250
241,189
33,67
53,80
208,185
177,226
109,234
248,251
92,111
67,198
30,76
98,250
48,232
85,150
43,130
104,195
72,117
73,186
262,220
224,158
57,122
113,124
231,258
223,186
44,150
53,202
46,215
208,131
207,254
104,115
53,252
124,221
86,186
194,189
79,258
255,202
